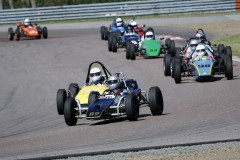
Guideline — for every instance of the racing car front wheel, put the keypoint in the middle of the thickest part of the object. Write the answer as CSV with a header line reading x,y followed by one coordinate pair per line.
x,y
17,34
105,33
132,51
61,97
102,32
114,43
74,89
45,33
167,65
155,101
228,69
171,48
10,34
177,70
93,97
132,107
70,111
110,43
128,50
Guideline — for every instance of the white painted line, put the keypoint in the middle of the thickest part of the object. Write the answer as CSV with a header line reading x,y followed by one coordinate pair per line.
x,y
237,60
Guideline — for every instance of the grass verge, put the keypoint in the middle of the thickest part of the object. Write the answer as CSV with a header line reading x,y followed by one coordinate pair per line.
x,y
233,41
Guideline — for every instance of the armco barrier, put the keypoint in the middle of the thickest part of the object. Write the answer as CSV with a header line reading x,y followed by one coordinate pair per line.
x,y
103,10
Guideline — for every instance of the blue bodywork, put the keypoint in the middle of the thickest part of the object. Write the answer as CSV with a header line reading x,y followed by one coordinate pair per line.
x,y
113,28
203,69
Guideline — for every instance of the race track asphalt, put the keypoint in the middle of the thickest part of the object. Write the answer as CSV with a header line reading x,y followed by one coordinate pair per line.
x,y
33,70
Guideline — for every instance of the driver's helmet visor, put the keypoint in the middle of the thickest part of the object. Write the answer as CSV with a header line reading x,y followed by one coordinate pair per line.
x,y
193,45
149,36
119,23
111,82
201,50
95,74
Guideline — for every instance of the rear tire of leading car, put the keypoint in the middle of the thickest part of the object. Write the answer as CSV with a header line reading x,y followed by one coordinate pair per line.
x,y
39,29
172,49
220,50
155,101
177,70
110,43
102,32
45,33
10,34
114,43
70,111
128,50
229,69
105,33
172,67
17,34
93,97
132,52
74,89
132,107
167,65
61,97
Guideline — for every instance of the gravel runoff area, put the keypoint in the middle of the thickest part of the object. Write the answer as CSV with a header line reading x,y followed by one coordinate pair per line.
x,y
217,151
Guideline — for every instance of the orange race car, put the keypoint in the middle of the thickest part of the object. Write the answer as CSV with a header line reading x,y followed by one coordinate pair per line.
x,y
27,31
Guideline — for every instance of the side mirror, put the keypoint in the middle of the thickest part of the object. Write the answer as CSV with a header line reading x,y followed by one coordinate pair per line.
x,y
143,26
161,38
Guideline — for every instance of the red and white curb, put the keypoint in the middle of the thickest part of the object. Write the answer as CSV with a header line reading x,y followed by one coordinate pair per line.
x,y
170,37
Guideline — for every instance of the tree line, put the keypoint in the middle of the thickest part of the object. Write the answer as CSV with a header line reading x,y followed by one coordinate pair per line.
x,y
12,4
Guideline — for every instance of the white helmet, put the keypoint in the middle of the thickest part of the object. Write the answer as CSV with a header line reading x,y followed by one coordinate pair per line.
x,y
26,22
149,35
193,44
113,82
119,22
95,74
133,24
200,49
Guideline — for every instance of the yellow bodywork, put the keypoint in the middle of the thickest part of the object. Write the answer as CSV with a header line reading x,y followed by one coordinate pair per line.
x,y
83,94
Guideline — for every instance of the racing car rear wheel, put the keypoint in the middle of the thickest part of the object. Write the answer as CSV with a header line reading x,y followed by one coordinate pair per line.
x,y
45,33
106,33
177,70
171,48
39,29
220,50
10,34
93,97
228,69
74,89
155,101
128,50
172,67
110,43
132,51
17,34
102,32
114,43
61,97
70,111
167,65
167,42
132,107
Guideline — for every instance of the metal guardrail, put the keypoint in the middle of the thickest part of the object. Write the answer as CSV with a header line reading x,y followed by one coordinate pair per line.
x,y
105,10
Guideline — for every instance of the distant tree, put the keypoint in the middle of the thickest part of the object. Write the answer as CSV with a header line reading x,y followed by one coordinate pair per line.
x,y
1,4
33,3
23,3
11,4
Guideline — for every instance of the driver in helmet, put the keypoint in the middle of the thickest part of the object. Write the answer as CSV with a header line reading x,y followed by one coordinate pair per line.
x,y
149,35
27,22
200,36
96,76
201,53
113,82
190,47
119,22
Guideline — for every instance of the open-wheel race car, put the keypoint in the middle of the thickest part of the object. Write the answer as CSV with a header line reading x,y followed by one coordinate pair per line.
x,y
201,69
150,48
27,31
124,100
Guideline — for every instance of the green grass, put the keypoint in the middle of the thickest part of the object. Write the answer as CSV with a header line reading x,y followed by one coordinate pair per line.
x,y
233,41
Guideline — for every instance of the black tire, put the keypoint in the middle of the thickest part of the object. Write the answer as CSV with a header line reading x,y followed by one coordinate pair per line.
x,y
150,29
167,42
39,29
105,33
177,70
220,50
118,34
74,88
102,32
61,97
178,51
172,49
92,97
172,67
229,69
132,107
70,111
128,50
167,65
114,43
155,101
110,43
132,51
45,33
17,34
10,34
